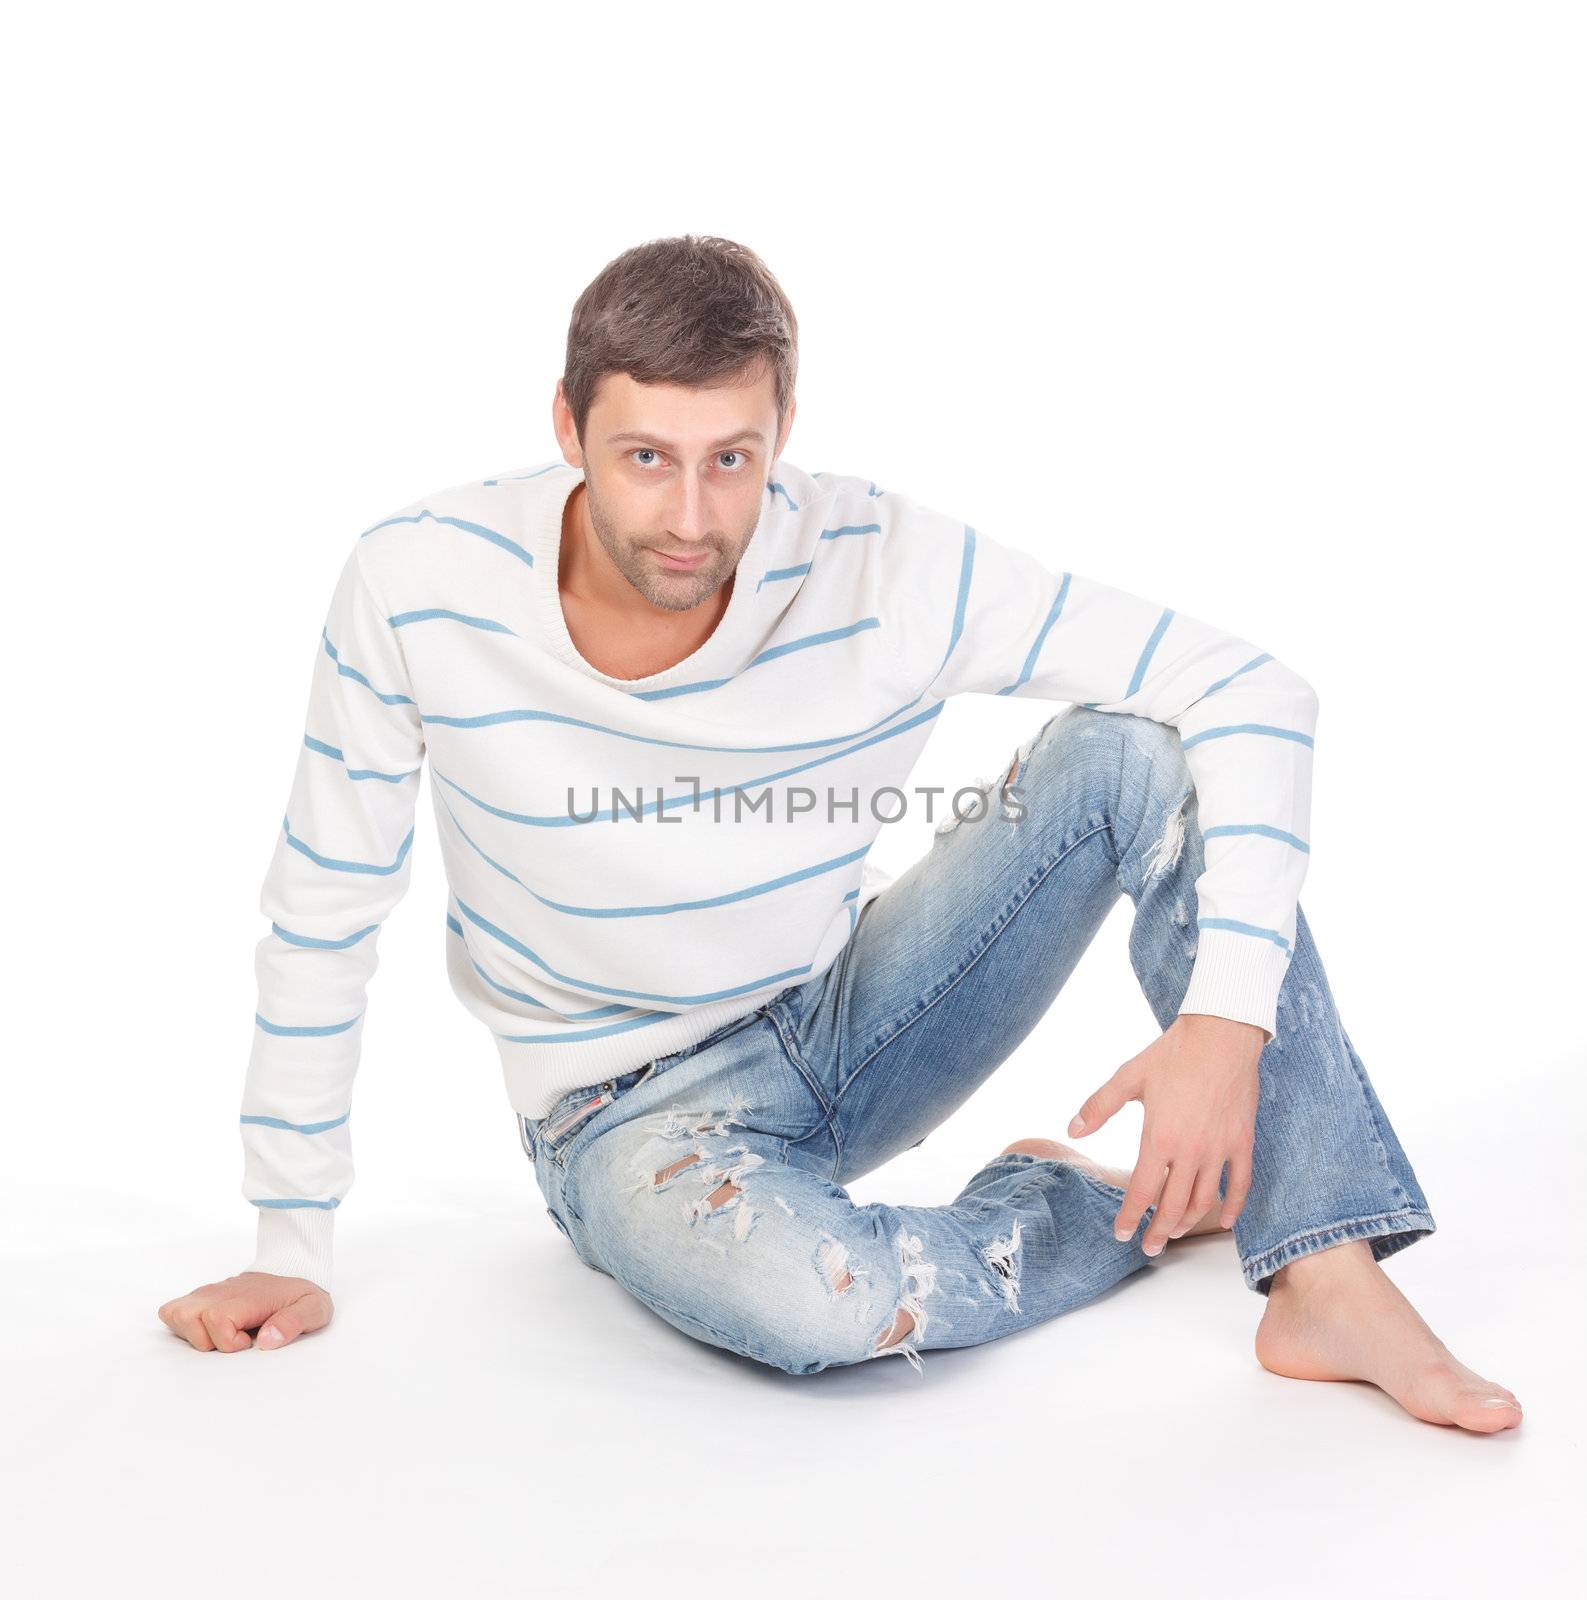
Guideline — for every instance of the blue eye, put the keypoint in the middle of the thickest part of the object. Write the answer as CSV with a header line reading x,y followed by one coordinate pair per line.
x,y
736,457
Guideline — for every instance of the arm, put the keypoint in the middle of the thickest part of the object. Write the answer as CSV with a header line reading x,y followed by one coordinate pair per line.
x,y
1008,624
342,861
1011,625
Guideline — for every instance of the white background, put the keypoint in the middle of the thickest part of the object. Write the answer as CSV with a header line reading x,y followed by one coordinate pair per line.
x,y
1272,313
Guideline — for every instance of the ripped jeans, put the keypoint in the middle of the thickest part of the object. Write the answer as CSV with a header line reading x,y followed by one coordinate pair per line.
x,y
710,1182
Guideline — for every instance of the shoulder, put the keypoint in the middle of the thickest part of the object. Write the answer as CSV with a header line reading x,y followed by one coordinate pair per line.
x,y
885,522
477,527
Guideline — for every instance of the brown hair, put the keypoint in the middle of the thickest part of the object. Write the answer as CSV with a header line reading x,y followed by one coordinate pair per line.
x,y
693,309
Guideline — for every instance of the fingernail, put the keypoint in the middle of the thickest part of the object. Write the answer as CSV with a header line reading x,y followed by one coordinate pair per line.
x,y
1154,1249
1121,1235
1077,1126
271,1337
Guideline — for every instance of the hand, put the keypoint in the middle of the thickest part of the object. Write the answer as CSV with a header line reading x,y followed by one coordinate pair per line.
x,y
218,1315
1198,1085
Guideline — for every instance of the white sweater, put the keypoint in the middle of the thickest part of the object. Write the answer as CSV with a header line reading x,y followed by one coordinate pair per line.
x,y
589,945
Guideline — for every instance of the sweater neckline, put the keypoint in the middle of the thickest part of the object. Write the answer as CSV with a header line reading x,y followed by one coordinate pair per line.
x,y
719,649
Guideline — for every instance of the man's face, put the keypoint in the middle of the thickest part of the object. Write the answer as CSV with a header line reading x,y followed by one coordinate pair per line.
x,y
671,470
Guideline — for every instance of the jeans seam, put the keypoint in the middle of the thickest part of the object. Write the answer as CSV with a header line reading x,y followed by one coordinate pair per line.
x,y
1148,789
722,1337
1257,1266
958,977
797,1061
1112,1191
1377,1132
560,1151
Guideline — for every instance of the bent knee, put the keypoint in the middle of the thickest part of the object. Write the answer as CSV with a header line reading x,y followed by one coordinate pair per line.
x,y
809,1348
855,1313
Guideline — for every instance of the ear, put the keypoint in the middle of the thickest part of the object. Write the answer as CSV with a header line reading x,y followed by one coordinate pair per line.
x,y
567,433
787,428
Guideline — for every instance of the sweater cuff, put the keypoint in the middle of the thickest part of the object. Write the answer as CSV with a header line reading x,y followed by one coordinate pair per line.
x,y
294,1242
1236,976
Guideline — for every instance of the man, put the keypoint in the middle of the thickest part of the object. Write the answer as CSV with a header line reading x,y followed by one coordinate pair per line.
x,y
667,687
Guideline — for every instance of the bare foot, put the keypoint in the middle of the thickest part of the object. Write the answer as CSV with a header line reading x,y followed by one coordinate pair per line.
x,y
1207,1222
1336,1315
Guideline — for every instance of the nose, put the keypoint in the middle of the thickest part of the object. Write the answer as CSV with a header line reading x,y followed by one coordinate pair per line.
x,y
690,512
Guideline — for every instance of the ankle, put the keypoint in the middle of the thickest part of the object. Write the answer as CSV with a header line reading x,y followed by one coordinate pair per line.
x,y
1353,1259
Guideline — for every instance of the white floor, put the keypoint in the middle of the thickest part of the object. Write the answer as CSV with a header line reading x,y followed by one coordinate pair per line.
x,y
487,1414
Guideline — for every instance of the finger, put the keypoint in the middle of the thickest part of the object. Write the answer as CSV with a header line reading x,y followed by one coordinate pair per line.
x,y
219,1323
1171,1209
182,1317
1239,1188
184,1321
1116,1092
1202,1199
302,1316
1145,1182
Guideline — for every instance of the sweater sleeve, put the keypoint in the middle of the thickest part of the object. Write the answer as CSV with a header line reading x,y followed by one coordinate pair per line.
x,y
1008,624
342,860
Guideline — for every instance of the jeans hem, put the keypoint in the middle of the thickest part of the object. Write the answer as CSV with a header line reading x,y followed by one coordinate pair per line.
x,y
1387,1232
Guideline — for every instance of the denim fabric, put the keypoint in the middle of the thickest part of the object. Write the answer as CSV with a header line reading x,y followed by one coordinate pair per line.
x,y
710,1182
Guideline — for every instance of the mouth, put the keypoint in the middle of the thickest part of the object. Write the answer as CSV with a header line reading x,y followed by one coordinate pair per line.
x,y
681,563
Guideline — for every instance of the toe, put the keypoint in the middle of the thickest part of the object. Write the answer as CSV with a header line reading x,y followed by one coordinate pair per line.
x,y
1487,1413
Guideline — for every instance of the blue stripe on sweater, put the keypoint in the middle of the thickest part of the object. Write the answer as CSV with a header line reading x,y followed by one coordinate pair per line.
x,y
781,572
828,636
282,1031
520,477
1248,727
1148,650
650,807
766,887
518,994
320,747
575,1035
511,546
489,719
432,613
331,864
1041,637
1226,828
309,943
358,677
503,937
1222,683
1231,926
298,1127
966,567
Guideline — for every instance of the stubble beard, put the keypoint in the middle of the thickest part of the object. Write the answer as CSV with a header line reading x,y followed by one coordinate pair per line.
x,y
680,591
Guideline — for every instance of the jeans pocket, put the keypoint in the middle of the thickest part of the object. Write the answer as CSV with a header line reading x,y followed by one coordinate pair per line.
x,y
570,1116
555,1133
